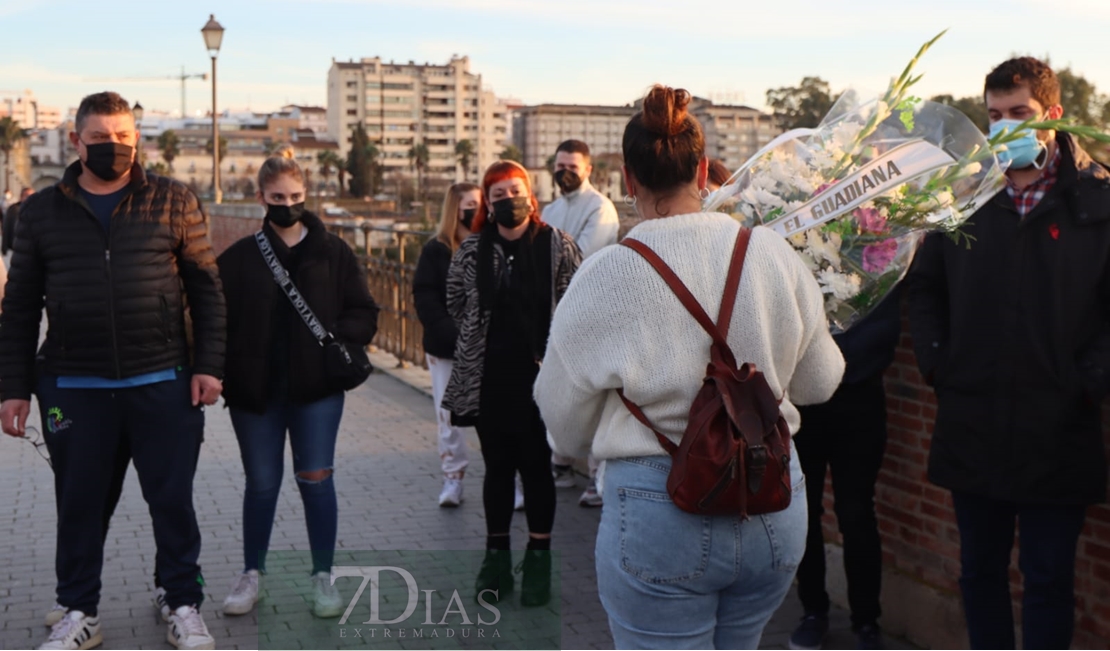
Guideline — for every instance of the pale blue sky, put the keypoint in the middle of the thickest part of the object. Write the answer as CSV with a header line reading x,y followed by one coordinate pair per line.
x,y
583,51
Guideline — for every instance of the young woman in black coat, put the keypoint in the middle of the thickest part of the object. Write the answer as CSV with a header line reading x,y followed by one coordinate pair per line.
x,y
429,289
275,380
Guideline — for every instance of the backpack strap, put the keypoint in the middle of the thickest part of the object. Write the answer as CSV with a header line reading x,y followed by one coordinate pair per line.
x,y
718,331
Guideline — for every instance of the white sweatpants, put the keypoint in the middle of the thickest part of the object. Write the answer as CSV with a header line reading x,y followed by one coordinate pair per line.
x,y
452,440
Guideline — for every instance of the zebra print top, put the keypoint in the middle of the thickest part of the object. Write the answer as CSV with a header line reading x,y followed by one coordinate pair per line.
x,y
461,396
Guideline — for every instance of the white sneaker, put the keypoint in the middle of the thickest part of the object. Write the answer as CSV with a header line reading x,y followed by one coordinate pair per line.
x,y
74,631
160,603
590,497
186,630
564,476
55,614
243,595
518,498
326,601
451,495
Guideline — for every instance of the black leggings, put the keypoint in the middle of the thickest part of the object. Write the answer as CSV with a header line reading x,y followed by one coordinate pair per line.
x,y
508,450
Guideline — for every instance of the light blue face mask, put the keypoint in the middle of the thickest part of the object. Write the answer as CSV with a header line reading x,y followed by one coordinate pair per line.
x,y
1019,153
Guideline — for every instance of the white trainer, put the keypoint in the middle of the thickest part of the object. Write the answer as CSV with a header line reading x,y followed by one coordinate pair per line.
x,y
74,631
186,630
55,614
326,601
451,495
518,497
563,475
243,595
160,603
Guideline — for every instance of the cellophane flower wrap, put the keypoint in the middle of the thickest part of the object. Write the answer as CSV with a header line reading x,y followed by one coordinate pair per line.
x,y
855,195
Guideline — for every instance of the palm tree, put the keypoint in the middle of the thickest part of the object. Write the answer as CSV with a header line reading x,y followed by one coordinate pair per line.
x,y
464,151
326,161
341,169
418,159
513,153
170,146
10,135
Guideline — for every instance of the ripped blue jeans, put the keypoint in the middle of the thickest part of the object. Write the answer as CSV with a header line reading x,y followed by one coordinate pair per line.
x,y
669,579
312,428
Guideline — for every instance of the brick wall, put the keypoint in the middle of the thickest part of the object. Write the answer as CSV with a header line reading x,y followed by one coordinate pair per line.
x,y
229,222
920,539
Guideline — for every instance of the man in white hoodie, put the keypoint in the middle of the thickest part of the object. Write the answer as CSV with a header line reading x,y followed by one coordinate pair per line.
x,y
591,219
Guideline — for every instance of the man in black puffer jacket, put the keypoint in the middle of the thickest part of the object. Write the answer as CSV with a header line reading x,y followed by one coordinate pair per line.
x,y
113,254
1013,332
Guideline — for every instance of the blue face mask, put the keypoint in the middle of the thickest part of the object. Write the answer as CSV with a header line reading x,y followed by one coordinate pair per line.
x,y
1019,153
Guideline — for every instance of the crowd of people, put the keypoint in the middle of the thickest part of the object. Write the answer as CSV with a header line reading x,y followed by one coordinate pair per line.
x,y
566,350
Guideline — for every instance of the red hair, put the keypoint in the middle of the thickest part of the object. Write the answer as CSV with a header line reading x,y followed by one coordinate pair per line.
x,y
503,170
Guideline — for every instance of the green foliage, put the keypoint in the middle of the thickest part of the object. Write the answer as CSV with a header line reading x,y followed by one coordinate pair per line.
x,y
170,146
361,163
223,147
801,106
464,151
513,153
975,108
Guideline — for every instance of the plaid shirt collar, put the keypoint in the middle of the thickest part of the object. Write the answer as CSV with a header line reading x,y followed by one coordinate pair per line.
x,y
1027,198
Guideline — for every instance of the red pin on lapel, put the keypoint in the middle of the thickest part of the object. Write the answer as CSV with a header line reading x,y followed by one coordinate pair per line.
x,y
1054,231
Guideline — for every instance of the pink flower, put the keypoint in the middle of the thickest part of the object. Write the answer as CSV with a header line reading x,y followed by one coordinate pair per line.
x,y
877,257
822,188
870,220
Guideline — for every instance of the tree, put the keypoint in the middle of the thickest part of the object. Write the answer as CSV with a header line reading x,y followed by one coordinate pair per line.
x,y
223,148
360,163
160,168
801,106
1081,100
170,146
418,159
10,136
513,153
464,151
973,107
550,164
341,169
326,161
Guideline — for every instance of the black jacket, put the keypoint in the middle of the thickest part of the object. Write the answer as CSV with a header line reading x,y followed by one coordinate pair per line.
x,y
1014,335
868,346
333,284
7,231
429,292
115,301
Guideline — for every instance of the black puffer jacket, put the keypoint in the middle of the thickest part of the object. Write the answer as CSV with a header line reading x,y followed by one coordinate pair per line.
x,y
1014,334
333,284
429,292
115,301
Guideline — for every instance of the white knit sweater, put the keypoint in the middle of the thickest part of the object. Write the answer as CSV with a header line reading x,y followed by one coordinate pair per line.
x,y
619,325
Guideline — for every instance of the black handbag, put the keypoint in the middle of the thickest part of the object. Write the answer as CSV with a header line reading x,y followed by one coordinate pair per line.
x,y
345,366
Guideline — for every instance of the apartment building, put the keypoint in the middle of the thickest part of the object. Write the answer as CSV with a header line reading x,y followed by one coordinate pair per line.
x,y
26,110
539,129
405,104
733,133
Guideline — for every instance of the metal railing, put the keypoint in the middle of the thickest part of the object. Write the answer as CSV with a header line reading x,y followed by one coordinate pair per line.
x,y
389,257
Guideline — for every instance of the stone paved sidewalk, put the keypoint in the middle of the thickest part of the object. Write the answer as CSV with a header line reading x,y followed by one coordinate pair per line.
x,y
387,477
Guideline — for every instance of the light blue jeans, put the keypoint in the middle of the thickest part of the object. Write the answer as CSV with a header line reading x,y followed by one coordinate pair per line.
x,y
674,580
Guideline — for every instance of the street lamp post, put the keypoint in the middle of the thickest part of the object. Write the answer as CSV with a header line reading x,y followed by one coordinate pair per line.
x,y
213,34
137,111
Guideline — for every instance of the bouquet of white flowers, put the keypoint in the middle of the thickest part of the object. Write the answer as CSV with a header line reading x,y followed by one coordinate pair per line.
x,y
855,195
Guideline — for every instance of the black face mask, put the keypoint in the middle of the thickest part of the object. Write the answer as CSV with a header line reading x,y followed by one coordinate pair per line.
x,y
568,181
108,161
284,216
468,216
511,212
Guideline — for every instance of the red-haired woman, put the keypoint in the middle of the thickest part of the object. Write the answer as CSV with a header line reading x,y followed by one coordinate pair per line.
x,y
502,288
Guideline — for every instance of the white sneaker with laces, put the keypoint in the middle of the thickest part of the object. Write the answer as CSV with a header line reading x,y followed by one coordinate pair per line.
x,y
160,603
186,630
564,476
55,614
243,595
518,498
590,497
326,601
451,495
74,631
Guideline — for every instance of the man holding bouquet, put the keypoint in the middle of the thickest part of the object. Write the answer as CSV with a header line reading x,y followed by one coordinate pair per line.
x,y
1013,333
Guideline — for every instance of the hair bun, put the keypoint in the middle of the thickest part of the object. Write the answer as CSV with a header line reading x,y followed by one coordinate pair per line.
x,y
664,110
284,151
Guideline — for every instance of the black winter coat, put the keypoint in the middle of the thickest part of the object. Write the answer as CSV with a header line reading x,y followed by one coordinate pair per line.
x,y
333,284
429,292
1014,335
115,301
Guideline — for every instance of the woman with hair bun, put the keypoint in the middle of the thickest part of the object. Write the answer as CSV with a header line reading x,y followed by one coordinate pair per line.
x,y
275,373
669,578
502,288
